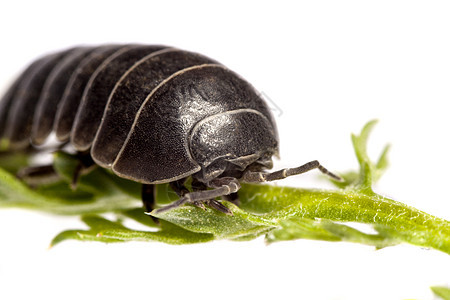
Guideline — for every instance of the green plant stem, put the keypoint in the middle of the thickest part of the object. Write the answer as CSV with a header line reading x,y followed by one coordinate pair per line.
x,y
392,219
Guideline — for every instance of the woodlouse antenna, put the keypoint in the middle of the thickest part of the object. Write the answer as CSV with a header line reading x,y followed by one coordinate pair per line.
x,y
250,176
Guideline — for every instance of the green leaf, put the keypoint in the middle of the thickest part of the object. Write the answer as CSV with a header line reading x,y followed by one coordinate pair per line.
x,y
13,162
103,230
442,292
240,224
326,230
394,220
369,172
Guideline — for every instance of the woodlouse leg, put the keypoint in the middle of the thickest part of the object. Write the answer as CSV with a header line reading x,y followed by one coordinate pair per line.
x,y
200,186
233,198
251,176
222,186
179,187
219,206
148,194
148,199
45,174
37,175
181,190
85,162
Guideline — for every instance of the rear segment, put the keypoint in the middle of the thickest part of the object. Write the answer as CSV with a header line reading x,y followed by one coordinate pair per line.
x,y
19,112
48,95
13,91
52,93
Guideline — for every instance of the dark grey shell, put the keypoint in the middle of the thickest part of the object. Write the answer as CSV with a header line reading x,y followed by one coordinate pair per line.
x,y
70,101
19,116
13,92
152,114
129,94
96,94
174,108
52,93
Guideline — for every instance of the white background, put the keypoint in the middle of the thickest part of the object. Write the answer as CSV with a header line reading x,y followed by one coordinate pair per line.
x,y
330,66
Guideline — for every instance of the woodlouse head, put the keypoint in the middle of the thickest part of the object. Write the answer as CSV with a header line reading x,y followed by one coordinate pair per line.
x,y
227,144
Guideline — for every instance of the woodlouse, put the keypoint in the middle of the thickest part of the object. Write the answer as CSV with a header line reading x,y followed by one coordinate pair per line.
x,y
152,114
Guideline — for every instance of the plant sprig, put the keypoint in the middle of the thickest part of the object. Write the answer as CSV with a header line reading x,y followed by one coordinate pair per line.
x,y
441,292
278,213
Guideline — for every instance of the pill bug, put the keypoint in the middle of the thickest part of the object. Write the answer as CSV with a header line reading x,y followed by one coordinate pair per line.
x,y
152,114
